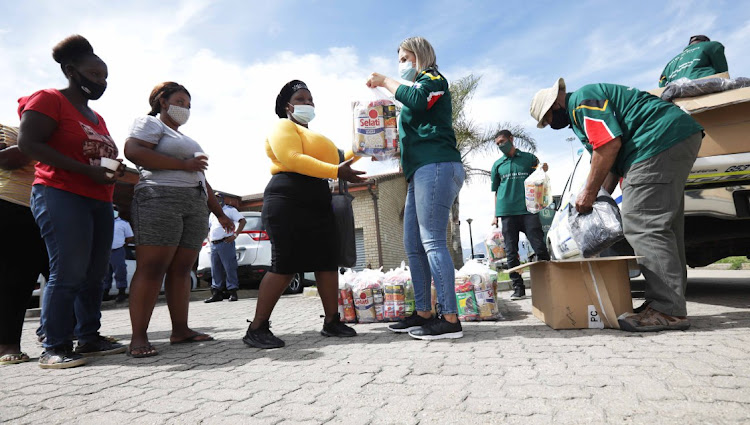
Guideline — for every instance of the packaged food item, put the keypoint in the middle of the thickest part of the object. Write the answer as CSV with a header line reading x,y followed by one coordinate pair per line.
x,y
483,286
364,305
467,306
495,245
375,127
347,312
394,301
377,295
537,191
410,304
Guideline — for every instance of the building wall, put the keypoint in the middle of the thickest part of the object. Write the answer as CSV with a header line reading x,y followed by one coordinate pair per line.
x,y
391,198
364,218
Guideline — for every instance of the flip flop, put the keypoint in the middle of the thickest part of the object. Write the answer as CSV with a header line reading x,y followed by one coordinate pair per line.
x,y
196,337
7,359
144,351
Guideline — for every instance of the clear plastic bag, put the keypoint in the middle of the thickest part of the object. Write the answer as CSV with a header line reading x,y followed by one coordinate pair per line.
x,y
367,291
394,288
347,312
495,245
685,87
481,304
538,191
375,129
598,230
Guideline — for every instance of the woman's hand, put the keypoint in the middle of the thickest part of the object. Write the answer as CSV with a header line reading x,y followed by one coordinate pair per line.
x,y
195,164
346,172
376,80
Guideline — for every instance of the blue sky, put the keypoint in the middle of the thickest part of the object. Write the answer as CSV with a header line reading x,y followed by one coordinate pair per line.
x,y
235,55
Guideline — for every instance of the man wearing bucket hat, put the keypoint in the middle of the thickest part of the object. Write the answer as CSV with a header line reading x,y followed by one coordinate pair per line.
x,y
652,144
701,58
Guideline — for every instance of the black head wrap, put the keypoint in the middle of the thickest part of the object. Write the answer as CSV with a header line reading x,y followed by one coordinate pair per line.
x,y
286,94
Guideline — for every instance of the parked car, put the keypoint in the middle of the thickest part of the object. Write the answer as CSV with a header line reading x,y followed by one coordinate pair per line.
x,y
253,253
130,262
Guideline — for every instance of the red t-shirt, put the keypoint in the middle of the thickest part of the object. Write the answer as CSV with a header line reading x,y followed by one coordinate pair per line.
x,y
75,137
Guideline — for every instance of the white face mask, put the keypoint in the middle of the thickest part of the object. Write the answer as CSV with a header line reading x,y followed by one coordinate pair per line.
x,y
406,70
303,114
179,114
117,214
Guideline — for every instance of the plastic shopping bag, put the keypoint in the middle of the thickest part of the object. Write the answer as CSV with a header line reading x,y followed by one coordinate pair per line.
x,y
538,191
375,126
495,245
598,230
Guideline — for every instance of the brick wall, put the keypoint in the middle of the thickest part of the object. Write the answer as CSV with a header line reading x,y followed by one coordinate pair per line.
x,y
391,198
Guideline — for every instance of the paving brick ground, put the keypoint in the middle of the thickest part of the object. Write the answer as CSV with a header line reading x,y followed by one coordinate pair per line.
x,y
514,371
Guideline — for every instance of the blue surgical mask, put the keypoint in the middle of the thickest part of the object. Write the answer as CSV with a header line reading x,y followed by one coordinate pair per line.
x,y
303,114
407,71
117,214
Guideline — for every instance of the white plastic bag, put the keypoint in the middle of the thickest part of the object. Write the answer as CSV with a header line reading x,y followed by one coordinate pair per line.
x,y
598,230
394,287
367,291
495,245
375,129
538,191
475,285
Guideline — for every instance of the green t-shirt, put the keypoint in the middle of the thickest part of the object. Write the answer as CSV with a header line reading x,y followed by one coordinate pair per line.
x,y
508,174
696,61
426,129
646,124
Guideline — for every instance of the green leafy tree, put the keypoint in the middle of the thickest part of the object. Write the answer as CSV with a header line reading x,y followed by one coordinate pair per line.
x,y
472,140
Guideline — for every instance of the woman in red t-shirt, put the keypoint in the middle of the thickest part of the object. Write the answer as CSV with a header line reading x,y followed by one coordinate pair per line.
x,y
72,202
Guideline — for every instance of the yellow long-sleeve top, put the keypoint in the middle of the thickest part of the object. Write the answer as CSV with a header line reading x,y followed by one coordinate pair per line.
x,y
295,149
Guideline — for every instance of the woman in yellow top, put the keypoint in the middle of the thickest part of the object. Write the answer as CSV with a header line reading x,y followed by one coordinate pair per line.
x,y
297,213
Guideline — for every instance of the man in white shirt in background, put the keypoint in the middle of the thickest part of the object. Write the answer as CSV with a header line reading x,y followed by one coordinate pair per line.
x,y
223,259
123,234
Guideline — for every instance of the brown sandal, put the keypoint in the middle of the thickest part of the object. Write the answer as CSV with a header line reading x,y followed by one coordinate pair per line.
x,y
142,351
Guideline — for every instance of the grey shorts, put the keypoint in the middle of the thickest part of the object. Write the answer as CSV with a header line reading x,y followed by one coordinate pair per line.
x,y
170,216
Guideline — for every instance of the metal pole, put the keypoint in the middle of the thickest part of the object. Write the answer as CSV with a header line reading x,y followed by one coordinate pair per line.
x,y
471,237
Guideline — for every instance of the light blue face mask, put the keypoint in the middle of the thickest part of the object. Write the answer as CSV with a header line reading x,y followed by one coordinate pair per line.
x,y
303,114
407,71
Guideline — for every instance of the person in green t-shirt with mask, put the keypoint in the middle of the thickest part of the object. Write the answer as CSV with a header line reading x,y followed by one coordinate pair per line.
x,y
652,144
435,174
508,175
701,58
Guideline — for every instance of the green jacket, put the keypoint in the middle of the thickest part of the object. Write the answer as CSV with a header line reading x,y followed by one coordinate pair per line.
x,y
426,124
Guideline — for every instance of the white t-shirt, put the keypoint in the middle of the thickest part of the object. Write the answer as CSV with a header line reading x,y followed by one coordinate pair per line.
x,y
168,142
217,232
122,231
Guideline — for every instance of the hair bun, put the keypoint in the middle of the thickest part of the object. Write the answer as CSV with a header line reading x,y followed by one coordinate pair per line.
x,y
71,48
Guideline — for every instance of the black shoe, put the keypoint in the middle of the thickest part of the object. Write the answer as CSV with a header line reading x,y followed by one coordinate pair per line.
x,y
225,294
642,306
338,329
106,296
102,346
410,323
438,328
519,293
53,358
121,297
262,337
216,295
233,295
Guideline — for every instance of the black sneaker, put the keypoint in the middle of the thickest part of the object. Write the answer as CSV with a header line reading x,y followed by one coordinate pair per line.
x,y
53,358
121,297
102,346
233,295
438,328
262,337
338,329
410,323
519,293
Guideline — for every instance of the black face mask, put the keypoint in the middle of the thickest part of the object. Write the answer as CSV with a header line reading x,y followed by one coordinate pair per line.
x,y
560,119
91,90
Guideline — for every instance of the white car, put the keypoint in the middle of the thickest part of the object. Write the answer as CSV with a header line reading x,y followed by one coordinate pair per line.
x,y
253,252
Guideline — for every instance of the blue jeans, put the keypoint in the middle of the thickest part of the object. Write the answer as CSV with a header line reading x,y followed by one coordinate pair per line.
x,y
432,190
117,266
224,266
78,233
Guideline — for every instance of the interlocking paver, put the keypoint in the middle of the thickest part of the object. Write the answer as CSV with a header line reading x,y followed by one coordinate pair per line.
x,y
513,371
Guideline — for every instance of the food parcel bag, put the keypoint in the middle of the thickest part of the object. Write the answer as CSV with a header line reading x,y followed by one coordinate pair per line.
x,y
394,288
466,299
495,245
598,230
375,126
537,190
367,291
347,312
484,286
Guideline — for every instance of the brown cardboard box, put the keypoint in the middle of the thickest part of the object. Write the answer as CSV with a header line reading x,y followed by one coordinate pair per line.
x,y
580,294
725,116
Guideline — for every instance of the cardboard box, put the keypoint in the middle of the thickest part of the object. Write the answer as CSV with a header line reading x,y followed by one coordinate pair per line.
x,y
580,294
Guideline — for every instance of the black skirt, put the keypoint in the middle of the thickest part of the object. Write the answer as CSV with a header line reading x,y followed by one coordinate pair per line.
x,y
298,217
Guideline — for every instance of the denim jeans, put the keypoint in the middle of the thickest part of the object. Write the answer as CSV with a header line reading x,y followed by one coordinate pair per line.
x,y
78,234
119,267
224,266
432,190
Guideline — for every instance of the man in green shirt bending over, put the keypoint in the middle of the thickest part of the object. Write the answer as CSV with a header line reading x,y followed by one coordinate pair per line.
x,y
701,58
652,144
508,175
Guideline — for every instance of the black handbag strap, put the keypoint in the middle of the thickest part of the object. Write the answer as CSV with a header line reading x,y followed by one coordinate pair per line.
x,y
343,184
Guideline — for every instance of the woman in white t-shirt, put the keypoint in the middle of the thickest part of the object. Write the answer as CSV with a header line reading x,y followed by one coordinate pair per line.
x,y
170,214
